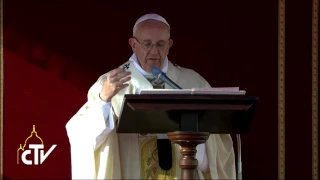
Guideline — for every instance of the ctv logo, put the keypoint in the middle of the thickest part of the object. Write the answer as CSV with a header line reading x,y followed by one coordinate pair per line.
x,y
35,149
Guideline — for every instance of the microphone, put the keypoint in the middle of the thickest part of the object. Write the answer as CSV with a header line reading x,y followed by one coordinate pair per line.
x,y
158,73
239,175
164,145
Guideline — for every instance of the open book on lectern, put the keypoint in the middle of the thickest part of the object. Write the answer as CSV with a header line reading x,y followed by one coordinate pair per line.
x,y
195,91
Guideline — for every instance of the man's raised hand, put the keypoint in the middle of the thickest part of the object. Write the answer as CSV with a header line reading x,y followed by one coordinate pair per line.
x,y
115,81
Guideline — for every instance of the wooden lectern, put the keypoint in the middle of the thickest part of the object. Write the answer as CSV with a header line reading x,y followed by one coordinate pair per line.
x,y
188,120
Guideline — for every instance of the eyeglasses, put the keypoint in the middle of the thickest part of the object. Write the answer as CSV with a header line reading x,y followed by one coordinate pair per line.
x,y
147,45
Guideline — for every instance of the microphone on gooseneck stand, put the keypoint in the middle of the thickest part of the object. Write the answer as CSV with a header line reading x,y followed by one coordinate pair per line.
x,y
239,175
164,145
160,75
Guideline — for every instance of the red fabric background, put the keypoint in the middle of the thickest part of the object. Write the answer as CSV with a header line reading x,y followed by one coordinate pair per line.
x,y
55,50
34,97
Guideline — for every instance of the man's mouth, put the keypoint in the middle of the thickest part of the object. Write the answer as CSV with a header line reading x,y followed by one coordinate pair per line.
x,y
153,59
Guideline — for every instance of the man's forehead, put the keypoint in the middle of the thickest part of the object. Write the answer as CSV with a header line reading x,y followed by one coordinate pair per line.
x,y
152,32
152,36
151,40
152,25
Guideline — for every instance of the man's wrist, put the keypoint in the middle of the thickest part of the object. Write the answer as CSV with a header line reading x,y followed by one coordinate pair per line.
x,y
107,100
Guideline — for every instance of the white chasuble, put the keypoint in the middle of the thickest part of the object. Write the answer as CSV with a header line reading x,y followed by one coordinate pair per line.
x,y
98,152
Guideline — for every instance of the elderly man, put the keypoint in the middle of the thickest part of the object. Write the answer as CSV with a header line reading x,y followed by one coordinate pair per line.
x,y
98,152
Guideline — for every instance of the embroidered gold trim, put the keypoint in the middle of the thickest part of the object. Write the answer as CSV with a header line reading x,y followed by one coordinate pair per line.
x,y
281,90
1,89
149,160
315,19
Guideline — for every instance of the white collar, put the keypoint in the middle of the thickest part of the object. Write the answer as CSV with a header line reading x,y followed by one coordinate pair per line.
x,y
134,59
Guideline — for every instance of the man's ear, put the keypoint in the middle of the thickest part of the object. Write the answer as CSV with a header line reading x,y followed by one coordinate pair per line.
x,y
170,43
132,44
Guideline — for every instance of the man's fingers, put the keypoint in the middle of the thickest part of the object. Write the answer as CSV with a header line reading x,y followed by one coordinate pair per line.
x,y
125,79
122,86
116,72
124,74
119,77
112,73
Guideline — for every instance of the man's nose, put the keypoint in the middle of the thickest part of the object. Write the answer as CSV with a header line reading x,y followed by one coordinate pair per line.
x,y
154,50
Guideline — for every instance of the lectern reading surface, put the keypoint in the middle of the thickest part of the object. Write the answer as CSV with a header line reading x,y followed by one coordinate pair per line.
x,y
216,114
187,119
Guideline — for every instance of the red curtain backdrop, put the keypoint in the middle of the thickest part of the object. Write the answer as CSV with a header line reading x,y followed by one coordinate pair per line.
x,y
34,97
55,50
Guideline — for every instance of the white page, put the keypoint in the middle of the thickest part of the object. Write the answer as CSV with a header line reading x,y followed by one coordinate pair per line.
x,y
208,91
218,89
163,91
